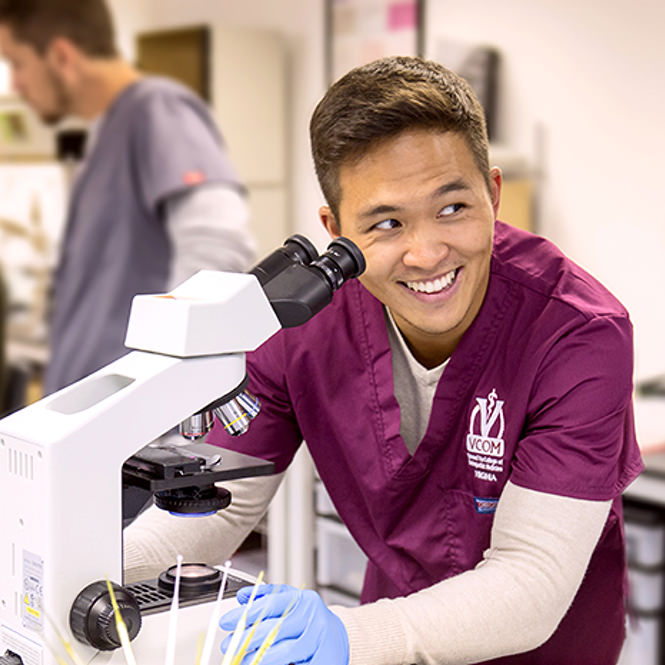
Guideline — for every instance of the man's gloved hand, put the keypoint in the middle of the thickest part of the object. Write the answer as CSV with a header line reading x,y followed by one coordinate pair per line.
x,y
310,632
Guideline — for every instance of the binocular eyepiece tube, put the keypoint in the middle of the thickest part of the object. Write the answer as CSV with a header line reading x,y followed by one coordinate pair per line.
x,y
298,290
342,260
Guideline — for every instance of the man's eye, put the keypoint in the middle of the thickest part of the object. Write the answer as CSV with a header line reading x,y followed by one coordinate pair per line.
x,y
450,209
386,224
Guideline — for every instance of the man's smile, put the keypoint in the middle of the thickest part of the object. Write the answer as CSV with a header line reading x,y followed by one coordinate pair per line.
x,y
434,285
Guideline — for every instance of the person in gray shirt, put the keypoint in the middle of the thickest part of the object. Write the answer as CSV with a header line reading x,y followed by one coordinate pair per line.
x,y
157,197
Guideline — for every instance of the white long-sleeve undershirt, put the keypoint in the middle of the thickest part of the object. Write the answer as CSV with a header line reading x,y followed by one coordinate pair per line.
x,y
208,228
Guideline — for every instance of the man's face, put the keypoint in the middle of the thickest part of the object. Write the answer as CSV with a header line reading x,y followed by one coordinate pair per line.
x,y
420,211
34,78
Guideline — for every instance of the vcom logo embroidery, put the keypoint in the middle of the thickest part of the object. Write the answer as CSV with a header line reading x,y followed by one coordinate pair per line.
x,y
484,442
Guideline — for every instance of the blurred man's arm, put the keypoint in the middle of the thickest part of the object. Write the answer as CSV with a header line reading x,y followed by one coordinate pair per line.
x,y
208,227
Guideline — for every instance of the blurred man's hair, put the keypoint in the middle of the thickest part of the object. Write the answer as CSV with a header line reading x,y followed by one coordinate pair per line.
x,y
384,98
86,23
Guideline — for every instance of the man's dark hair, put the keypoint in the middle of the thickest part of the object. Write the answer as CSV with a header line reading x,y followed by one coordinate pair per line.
x,y
86,23
380,100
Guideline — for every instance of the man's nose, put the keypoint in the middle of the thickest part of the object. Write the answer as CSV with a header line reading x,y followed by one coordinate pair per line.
x,y
423,249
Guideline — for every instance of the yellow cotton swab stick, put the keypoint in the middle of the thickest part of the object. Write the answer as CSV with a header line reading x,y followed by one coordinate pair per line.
x,y
214,618
121,627
255,625
240,627
199,648
169,657
270,637
242,622
59,659
66,644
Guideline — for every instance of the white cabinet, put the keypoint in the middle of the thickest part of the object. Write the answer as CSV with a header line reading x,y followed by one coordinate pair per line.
x,y
645,551
340,563
250,104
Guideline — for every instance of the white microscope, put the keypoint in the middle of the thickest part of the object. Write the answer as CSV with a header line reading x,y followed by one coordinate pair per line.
x,y
65,459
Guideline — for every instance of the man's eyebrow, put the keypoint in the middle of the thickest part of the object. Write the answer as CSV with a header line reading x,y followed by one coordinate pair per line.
x,y
380,209
454,186
384,209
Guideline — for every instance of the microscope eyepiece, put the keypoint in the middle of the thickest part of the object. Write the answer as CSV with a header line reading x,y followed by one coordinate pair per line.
x,y
300,249
342,260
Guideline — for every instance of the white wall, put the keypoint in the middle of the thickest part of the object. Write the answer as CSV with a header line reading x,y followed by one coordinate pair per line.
x,y
589,76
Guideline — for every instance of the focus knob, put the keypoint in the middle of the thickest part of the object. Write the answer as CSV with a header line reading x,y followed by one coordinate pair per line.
x,y
92,617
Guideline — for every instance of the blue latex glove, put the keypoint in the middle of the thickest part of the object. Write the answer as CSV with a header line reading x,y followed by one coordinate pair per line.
x,y
310,633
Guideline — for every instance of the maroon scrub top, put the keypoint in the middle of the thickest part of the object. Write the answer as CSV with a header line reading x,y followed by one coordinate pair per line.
x,y
538,391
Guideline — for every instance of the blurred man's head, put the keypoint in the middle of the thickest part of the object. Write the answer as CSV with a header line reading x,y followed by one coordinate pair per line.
x,y
45,41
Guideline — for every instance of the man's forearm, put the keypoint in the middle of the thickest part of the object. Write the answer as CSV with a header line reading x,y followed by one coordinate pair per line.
x,y
540,549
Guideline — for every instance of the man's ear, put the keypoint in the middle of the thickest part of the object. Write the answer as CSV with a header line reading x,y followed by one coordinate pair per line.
x,y
496,181
63,56
329,222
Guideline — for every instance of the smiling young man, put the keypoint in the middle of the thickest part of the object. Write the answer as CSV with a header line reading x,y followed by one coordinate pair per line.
x,y
466,401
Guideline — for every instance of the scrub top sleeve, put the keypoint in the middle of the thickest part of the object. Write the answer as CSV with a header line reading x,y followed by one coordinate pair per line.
x,y
176,147
274,434
579,438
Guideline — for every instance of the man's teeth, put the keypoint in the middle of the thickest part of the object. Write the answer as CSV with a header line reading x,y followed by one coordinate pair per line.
x,y
435,285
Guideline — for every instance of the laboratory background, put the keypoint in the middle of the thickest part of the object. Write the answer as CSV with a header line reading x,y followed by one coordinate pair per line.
x,y
574,94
